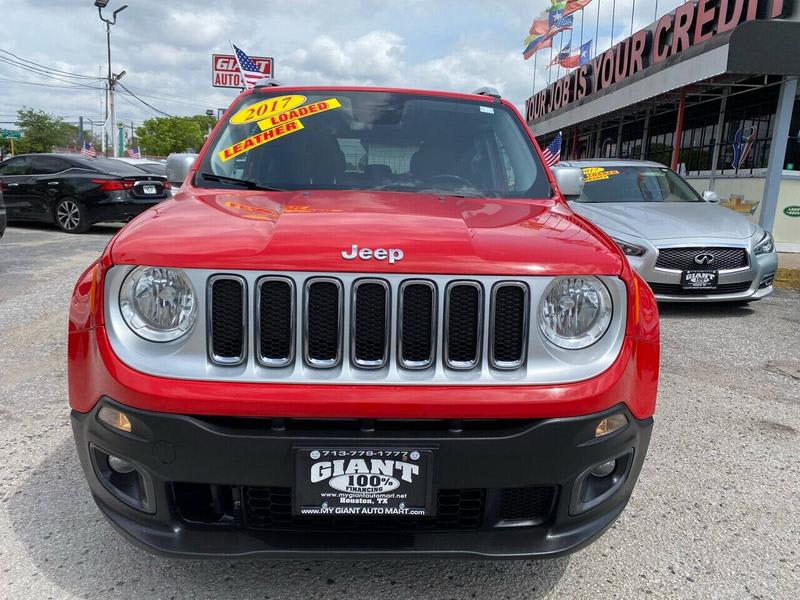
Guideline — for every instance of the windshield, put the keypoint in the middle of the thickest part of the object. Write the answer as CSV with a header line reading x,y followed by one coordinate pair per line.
x,y
375,141
635,184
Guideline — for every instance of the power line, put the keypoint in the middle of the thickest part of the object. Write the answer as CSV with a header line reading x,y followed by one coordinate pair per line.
x,y
172,99
143,101
47,75
123,96
60,72
78,88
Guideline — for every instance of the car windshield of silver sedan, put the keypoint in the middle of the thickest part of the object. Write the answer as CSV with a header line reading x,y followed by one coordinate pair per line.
x,y
382,141
635,184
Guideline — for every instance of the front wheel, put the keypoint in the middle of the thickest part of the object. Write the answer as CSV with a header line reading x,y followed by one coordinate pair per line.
x,y
71,216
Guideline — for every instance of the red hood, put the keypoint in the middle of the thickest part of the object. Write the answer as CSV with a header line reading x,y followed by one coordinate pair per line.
x,y
307,231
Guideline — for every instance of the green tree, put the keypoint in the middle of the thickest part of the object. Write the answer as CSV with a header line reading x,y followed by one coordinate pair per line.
x,y
41,131
164,135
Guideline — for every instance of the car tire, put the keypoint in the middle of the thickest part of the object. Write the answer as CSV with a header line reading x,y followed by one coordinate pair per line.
x,y
70,216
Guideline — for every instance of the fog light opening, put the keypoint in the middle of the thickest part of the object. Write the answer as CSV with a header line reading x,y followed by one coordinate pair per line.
x,y
604,469
120,465
115,419
610,424
129,483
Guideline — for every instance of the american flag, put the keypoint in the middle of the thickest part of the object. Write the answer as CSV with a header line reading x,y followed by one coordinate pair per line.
x,y
248,68
88,150
552,154
133,152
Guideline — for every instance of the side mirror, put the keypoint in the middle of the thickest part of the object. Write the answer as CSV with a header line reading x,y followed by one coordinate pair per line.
x,y
711,196
178,166
569,181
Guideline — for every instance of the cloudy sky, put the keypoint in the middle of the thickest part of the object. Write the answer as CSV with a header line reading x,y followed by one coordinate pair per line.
x,y
166,45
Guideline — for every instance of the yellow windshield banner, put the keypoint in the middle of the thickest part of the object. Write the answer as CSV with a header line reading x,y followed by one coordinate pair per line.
x,y
267,108
591,174
298,113
259,139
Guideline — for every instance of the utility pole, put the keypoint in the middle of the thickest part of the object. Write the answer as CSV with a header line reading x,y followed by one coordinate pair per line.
x,y
112,79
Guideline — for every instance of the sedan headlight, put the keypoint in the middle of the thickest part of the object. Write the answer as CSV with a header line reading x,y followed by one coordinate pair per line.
x,y
766,245
629,249
158,303
575,312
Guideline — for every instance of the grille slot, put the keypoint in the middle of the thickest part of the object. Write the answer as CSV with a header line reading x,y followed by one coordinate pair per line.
x,y
508,325
532,504
370,333
275,320
417,325
271,508
682,259
463,324
674,289
323,322
227,330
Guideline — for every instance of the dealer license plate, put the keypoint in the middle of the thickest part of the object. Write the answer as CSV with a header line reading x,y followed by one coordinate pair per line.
x,y
699,280
149,189
370,482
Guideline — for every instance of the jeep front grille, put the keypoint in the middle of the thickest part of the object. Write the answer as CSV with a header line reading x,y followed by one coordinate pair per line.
x,y
370,320
297,327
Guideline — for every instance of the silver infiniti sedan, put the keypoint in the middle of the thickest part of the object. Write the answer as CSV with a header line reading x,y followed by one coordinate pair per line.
x,y
686,246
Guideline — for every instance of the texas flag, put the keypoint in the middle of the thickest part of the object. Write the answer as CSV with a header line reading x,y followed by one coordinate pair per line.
x,y
579,56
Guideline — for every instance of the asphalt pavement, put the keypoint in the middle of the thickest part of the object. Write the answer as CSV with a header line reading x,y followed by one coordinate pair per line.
x,y
716,512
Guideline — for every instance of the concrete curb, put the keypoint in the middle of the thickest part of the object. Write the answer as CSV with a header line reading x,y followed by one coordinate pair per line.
x,y
787,278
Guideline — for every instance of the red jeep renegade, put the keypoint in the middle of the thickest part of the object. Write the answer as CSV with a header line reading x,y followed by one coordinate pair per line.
x,y
367,325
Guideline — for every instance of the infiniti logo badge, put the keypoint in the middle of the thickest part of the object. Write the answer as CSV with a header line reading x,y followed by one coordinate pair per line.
x,y
704,258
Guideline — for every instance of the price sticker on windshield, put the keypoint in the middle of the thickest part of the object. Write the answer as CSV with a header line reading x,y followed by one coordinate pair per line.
x,y
265,109
591,174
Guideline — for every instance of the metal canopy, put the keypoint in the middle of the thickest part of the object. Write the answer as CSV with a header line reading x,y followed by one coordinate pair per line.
x,y
729,60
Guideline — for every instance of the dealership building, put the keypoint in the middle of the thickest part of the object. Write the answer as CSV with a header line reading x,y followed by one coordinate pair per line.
x,y
707,88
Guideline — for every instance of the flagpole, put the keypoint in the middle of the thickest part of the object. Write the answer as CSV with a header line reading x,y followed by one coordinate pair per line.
x,y
535,57
633,12
581,27
597,26
613,16
550,63
655,15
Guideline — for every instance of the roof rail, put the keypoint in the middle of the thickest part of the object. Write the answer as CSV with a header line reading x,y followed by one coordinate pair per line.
x,y
488,91
268,82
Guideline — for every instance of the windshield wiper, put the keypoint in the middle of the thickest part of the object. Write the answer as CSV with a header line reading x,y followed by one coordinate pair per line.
x,y
247,183
462,192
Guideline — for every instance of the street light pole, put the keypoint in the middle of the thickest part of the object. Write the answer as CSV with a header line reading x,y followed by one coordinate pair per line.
x,y
112,79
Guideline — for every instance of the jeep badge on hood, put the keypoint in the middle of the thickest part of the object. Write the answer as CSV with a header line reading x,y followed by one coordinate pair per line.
x,y
393,254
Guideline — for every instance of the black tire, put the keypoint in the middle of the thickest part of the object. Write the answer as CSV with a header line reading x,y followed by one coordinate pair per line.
x,y
70,216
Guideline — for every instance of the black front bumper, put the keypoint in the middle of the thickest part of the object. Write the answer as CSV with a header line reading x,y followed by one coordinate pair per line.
x,y
513,488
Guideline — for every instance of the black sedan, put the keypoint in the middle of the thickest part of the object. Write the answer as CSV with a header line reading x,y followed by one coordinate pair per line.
x,y
73,191
2,212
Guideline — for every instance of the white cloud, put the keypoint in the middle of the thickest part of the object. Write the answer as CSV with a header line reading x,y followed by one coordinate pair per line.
x,y
166,47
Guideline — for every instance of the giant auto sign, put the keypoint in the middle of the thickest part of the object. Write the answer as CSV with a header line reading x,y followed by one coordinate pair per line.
x,y
690,24
225,70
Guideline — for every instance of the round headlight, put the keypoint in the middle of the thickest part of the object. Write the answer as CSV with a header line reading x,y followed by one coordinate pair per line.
x,y
575,312
158,303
